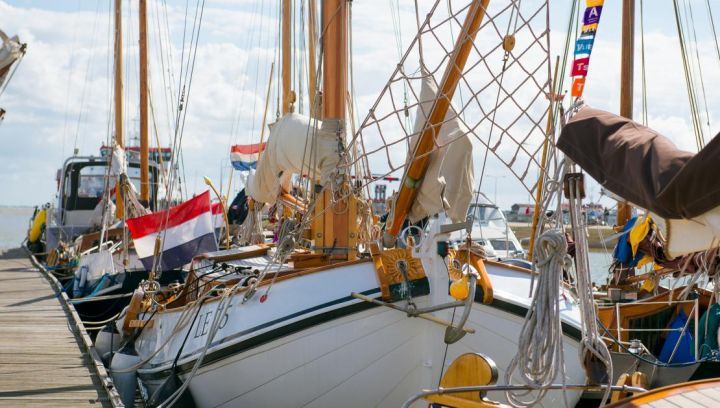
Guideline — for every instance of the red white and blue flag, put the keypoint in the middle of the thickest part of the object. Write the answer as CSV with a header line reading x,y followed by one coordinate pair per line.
x,y
245,157
186,230
218,215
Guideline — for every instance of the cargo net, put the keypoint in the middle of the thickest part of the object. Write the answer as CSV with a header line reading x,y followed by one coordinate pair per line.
x,y
501,97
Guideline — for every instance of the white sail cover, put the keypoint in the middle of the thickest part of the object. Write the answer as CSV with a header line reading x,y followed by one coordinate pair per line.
x,y
10,51
291,148
449,179
118,163
686,236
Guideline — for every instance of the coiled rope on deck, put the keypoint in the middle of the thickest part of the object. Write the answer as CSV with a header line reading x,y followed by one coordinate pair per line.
x,y
539,359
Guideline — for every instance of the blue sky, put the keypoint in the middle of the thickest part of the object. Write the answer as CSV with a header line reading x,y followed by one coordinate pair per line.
x,y
59,97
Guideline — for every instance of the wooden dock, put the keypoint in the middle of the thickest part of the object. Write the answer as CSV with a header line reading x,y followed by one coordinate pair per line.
x,y
44,359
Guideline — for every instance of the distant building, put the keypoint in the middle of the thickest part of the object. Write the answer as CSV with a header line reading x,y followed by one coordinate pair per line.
x,y
521,212
380,199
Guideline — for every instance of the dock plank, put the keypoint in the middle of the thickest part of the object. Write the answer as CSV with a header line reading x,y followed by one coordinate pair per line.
x,y
42,357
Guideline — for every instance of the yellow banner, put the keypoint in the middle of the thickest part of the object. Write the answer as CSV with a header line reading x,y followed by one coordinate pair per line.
x,y
589,28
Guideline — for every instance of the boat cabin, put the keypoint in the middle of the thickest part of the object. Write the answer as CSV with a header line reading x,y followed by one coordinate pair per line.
x,y
490,230
82,182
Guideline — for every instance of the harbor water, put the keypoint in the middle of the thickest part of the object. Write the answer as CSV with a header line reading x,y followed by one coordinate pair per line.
x,y
13,226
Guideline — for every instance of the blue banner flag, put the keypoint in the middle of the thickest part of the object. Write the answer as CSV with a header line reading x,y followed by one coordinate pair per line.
x,y
584,45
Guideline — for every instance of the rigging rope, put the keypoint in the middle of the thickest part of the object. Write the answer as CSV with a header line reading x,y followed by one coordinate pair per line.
x,y
692,97
592,347
186,86
382,138
89,74
712,25
539,359
689,12
643,73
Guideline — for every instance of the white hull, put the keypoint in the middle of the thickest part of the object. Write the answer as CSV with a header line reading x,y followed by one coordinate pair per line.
x,y
373,357
337,365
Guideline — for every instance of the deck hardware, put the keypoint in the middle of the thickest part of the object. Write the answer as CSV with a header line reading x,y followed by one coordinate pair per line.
x,y
421,315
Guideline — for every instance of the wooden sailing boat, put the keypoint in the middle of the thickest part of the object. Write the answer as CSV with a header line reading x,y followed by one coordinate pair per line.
x,y
640,319
293,325
83,244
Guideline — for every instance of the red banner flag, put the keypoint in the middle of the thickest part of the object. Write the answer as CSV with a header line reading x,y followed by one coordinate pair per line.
x,y
580,67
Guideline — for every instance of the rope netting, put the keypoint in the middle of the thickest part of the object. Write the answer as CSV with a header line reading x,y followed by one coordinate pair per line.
x,y
501,98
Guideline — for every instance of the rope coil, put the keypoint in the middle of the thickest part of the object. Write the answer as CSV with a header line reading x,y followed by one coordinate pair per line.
x,y
539,359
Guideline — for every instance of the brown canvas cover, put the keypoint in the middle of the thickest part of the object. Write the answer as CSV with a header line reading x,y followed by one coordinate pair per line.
x,y
643,166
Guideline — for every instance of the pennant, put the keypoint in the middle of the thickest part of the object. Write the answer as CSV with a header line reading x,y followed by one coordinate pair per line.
x,y
580,67
589,29
577,87
592,15
186,230
245,157
584,45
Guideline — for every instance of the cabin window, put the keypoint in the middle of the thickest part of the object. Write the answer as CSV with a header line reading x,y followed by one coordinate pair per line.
x,y
502,245
487,216
91,182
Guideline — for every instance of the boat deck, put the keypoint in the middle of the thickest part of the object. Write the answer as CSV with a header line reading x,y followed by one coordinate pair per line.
x,y
44,360
695,394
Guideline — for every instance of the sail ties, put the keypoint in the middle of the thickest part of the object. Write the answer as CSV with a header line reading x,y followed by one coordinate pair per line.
x,y
539,359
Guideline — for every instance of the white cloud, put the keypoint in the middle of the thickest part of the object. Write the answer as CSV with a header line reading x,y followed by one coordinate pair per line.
x,y
228,91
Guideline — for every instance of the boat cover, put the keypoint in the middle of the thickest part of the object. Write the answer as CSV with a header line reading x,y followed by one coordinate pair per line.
x,y
643,166
293,147
448,182
10,51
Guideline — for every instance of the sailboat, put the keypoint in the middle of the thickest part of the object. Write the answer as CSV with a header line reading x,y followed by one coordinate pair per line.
x,y
82,235
660,332
336,314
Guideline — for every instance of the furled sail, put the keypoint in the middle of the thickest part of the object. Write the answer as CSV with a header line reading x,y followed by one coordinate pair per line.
x,y
10,51
448,183
296,145
644,167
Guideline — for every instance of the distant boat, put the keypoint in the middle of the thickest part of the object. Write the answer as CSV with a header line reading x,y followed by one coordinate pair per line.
x,y
491,231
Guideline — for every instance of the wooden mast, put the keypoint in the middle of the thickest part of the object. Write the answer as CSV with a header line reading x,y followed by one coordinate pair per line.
x,y
335,56
118,99
627,67
426,142
288,96
144,148
334,229
543,161
312,68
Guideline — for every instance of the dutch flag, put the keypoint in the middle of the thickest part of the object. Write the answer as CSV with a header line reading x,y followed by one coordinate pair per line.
x,y
245,157
218,215
186,230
